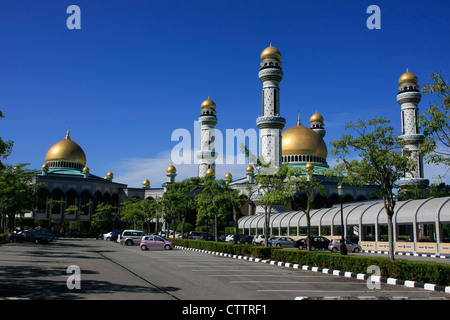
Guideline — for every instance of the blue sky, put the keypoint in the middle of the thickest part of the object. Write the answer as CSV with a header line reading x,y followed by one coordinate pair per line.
x,y
138,70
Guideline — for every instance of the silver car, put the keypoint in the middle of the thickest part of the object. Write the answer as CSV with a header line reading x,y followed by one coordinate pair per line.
x,y
282,242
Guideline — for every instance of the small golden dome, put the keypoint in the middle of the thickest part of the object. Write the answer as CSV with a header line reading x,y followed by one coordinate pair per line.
x,y
316,117
208,103
228,176
211,172
146,183
110,175
86,170
300,140
171,169
66,150
408,77
270,52
249,169
309,166
45,166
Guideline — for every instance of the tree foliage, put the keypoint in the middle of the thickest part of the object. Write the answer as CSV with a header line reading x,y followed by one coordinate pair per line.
x,y
435,123
381,161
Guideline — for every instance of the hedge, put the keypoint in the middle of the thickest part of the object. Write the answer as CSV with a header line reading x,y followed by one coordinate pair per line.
x,y
420,271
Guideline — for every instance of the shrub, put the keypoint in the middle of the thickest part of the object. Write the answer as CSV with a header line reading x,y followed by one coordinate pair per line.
x,y
421,271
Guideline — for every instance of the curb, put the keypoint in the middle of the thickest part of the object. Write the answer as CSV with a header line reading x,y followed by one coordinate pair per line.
x,y
346,274
410,254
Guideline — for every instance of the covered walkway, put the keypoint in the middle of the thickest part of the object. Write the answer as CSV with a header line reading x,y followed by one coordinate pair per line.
x,y
418,224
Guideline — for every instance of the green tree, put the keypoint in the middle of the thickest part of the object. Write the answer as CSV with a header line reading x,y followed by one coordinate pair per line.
x,y
212,203
435,123
179,199
304,182
5,148
18,192
381,161
271,191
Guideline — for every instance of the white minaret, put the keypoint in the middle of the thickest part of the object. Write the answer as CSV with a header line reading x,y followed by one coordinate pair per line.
x,y
207,154
270,123
409,97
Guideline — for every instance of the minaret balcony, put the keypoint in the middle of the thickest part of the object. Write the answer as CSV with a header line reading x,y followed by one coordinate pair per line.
x,y
409,96
270,122
412,137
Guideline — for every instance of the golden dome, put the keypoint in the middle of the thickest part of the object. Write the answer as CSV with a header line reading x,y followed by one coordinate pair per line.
x,y
171,169
45,166
110,174
228,176
208,103
316,117
66,150
408,77
211,172
146,183
86,170
249,169
300,140
270,52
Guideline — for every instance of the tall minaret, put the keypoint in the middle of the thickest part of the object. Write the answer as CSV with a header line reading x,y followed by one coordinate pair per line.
x,y
409,97
270,123
207,154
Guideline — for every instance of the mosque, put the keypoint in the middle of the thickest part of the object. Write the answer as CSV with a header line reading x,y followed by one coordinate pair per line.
x,y
67,181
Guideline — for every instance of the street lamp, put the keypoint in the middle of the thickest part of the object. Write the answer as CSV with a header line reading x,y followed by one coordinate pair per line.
x,y
343,247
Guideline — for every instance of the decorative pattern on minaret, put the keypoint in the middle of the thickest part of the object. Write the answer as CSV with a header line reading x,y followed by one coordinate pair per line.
x,y
270,123
207,154
409,97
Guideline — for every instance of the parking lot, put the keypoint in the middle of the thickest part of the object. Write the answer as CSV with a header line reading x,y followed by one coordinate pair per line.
x,y
108,270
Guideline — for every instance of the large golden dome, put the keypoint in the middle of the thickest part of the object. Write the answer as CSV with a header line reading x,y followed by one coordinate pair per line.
x,y
408,77
66,150
271,52
300,140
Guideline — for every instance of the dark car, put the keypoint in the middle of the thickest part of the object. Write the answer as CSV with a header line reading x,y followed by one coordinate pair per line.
x,y
245,240
317,242
36,236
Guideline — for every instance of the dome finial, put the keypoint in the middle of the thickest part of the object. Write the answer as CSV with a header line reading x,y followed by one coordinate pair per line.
x,y
298,120
68,133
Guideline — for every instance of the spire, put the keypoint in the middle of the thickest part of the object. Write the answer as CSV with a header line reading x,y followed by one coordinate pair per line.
x,y
298,121
68,133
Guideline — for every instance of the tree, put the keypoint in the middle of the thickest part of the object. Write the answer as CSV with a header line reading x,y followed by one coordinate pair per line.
x,y
382,161
5,148
304,182
271,191
436,123
179,199
18,192
131,211
212,201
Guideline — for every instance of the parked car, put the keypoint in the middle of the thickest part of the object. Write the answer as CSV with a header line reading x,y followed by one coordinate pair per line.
x,y
201,235
335,246
152,242
107,236
230,238
36,236
246,240
259,239
282,242
130,237
317,242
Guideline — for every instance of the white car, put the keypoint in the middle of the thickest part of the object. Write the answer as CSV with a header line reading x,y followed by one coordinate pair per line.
x,y
130,237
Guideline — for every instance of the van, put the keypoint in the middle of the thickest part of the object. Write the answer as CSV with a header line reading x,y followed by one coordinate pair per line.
x,y
130,237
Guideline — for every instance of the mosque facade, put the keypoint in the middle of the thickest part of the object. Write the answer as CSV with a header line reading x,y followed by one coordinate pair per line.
x,y
67,181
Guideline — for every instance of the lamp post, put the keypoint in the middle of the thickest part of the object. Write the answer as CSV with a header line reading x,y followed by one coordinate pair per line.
x,y
343,247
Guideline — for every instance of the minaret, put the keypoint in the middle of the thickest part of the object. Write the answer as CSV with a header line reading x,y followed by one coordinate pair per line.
x,y
409,97
207,154
270,123
171,173
316,124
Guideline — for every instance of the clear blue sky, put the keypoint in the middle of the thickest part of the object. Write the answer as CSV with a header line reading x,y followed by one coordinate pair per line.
x,y
138,70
